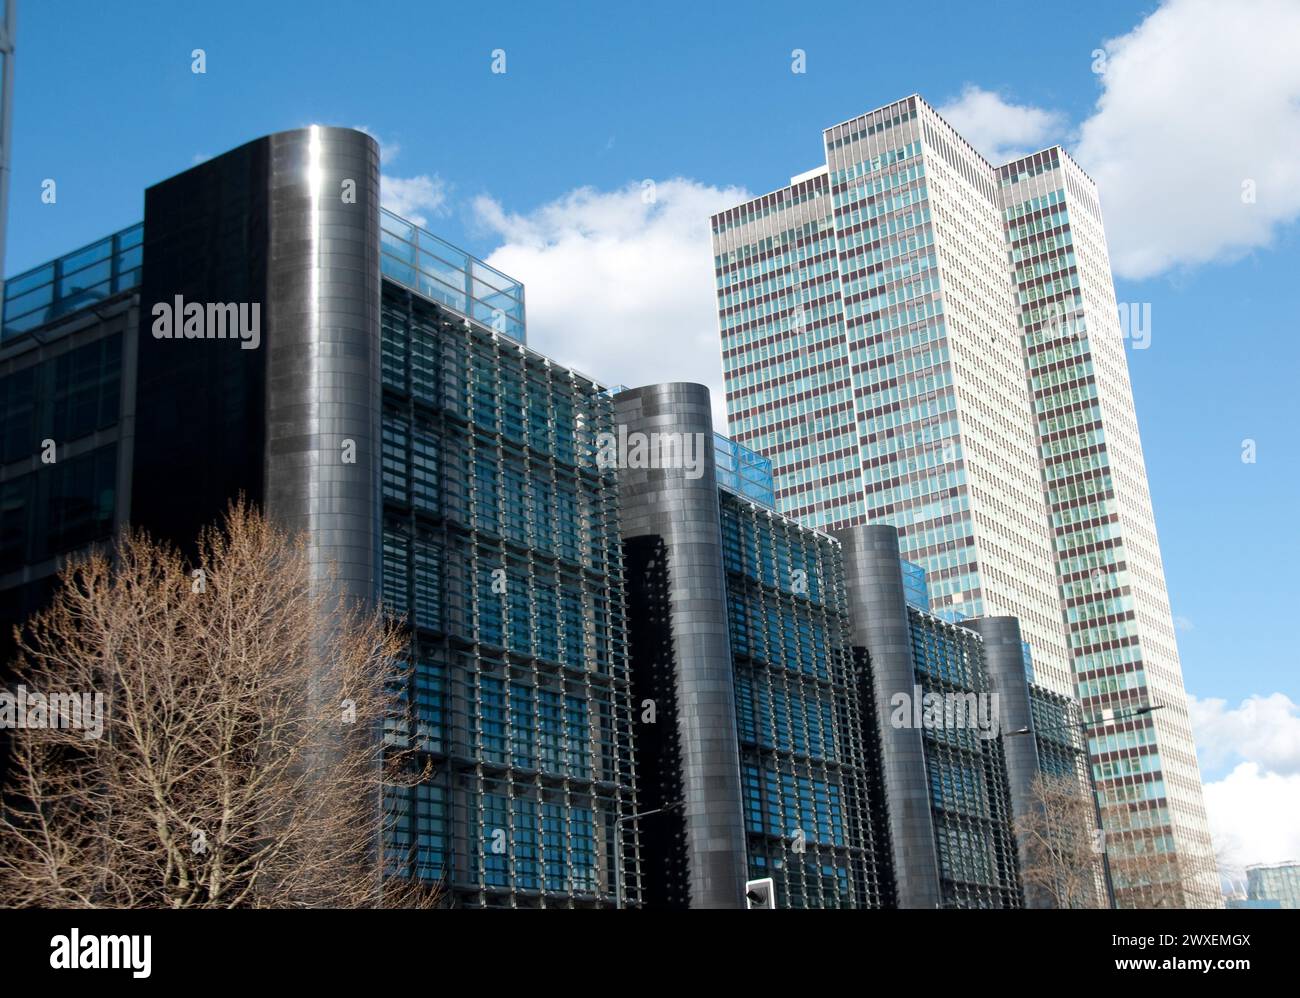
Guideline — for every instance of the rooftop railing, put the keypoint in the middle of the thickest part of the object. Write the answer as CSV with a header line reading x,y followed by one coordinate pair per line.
x,y
743,471
433,267
409,255
73,281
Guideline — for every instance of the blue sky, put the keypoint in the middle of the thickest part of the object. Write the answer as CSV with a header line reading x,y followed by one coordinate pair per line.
x,y
106,102
534,166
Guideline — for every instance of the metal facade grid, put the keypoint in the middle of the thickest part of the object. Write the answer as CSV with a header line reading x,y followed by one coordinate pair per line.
x,y
807,792
502,548
968,777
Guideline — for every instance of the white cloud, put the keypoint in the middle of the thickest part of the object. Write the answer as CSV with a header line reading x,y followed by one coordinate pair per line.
x,y
1002,131
1263,730
1254,818
1183,624
414,198
1254,810
1199,98
1199,105
619,284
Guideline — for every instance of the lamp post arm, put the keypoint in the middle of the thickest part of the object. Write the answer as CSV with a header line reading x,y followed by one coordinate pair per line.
x,y
618,845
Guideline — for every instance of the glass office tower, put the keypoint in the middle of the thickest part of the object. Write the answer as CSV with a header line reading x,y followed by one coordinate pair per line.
x,y
870,350
1112,579
907,332
67,376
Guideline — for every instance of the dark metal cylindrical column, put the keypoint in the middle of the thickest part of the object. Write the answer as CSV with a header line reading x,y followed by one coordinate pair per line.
x,y
322,334
874,581
680,505
1004,663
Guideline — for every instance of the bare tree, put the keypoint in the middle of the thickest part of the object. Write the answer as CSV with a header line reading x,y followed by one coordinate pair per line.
x,y
241,759
1227,861
1059,842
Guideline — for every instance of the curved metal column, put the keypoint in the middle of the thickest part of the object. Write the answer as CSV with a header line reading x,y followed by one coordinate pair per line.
x,y
684,512
323,386
878,606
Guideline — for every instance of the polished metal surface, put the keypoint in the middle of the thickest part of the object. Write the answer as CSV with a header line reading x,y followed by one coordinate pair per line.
x,y
878,609
684,512
323,386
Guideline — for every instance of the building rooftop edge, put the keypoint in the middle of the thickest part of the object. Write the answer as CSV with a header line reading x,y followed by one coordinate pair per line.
x,y
825,168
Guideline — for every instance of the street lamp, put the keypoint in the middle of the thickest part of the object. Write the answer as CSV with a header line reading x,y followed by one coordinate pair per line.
x,y
1083,726
618,845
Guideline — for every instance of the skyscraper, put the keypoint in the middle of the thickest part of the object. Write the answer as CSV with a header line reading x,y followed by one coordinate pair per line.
x,y
870,349
1112,579
915,336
